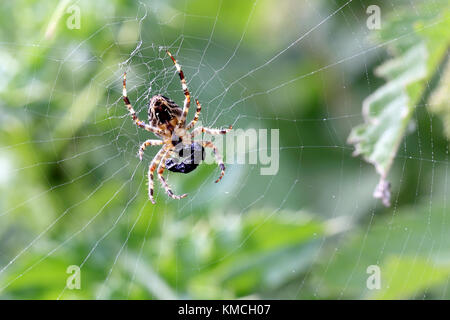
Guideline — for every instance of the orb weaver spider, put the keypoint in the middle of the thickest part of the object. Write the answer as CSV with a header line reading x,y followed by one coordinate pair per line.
x,y
168,121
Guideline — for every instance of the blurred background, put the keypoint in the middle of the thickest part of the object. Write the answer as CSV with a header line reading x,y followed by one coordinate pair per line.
x,y
73,191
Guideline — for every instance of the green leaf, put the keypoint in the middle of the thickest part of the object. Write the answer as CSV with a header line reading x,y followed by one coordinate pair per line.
x,y
387,112
440,100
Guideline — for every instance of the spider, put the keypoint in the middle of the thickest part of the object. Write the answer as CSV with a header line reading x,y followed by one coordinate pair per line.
x,y
168,121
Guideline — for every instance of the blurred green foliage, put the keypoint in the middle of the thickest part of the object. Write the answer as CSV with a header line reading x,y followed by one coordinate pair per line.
x,y
411,77
72,191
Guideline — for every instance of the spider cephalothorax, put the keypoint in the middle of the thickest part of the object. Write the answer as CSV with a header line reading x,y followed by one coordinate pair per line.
x,y
163,112
168,121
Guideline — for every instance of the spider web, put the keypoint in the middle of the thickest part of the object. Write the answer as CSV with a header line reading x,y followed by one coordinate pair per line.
x,y
121,242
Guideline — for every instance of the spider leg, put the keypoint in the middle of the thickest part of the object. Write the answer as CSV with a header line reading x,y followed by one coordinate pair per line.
x,y
187,95
161,167
147,143
197,114
136,120
151,169
199,130
209,144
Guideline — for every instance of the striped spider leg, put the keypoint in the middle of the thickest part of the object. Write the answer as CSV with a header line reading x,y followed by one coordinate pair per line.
x,y
209,144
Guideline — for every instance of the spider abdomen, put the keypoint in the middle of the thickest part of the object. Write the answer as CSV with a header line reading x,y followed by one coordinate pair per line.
x,y
190,157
